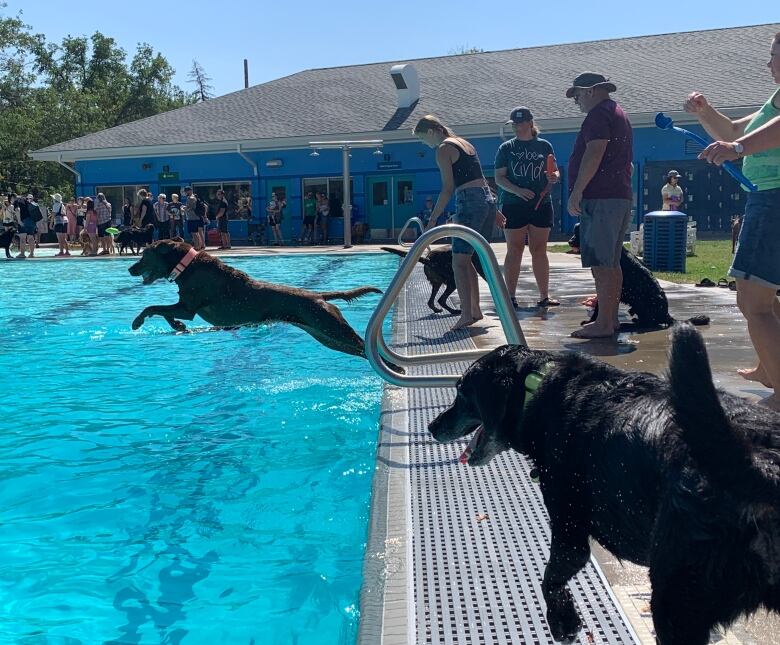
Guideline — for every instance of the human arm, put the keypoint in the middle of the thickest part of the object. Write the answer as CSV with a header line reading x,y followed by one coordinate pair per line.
x,y
503,181
591,159
444,160
764,138
717,125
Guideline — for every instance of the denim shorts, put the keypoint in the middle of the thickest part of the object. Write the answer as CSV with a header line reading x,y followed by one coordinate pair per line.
x,y
475,208
603,225
28,227
758,248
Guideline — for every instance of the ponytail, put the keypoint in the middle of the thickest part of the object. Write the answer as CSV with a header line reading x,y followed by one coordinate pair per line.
x,y
430,122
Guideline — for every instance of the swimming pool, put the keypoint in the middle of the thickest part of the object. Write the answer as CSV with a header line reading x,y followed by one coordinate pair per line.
x,y
210,487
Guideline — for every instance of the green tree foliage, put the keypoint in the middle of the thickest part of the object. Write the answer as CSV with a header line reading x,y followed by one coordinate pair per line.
x,y
52,92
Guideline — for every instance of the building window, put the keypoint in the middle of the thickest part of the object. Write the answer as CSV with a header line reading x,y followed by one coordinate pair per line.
x,y
333,187
116,195
238,196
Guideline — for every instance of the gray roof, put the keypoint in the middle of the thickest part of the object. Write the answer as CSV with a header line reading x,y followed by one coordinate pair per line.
x,y
651,72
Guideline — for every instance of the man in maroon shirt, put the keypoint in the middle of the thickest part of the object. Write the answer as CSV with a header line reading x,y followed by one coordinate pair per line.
x,y
600,193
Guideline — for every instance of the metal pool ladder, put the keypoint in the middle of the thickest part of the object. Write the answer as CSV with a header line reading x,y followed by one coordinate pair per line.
x,y
377,351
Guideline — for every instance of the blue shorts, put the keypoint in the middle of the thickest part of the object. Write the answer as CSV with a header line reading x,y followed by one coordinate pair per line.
x,y
28,227
475,208
193,225
758,248
603,225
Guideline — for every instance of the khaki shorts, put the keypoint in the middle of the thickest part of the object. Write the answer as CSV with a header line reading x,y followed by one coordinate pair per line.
x,y
603,226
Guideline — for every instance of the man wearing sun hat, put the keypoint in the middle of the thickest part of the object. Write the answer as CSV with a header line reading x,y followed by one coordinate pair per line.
x,y
600,193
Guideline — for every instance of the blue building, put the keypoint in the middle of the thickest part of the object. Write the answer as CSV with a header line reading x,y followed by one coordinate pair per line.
x,y
257,141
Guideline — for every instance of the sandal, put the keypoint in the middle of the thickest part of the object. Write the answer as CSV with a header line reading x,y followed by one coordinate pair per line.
x,y
733,285
723,283
706,282
548,302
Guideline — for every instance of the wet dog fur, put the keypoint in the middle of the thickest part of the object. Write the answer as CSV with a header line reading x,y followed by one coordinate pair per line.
x,y
438,270
667,473
226,297
645,298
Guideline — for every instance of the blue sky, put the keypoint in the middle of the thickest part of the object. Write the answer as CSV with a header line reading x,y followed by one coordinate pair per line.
x,y
281,38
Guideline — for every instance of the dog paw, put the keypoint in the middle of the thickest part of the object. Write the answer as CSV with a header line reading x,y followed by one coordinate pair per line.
x,y
562,616
139,320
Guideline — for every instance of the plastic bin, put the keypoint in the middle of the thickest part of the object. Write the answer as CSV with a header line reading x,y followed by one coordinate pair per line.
x,y
665,240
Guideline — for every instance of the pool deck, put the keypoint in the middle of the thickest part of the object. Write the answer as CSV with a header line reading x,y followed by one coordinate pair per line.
x,y
455,555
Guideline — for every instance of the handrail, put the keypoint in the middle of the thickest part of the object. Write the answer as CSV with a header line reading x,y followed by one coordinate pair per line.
x,y
377,351
409,222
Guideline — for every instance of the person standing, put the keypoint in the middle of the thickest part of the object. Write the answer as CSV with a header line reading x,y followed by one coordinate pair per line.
x,y
194,223
600,193
162,217
91,225
323,213
461,174
127,213
174,208
60,215
309,215
145,211
103,213
525,201
672,193
222,220
756,264
274,211
27,229
71,210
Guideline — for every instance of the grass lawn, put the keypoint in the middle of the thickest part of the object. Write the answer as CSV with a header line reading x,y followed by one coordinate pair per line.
x,y
712,260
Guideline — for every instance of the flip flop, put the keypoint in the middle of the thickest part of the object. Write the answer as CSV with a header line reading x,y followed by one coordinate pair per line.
x,y
723,283
733,285
706,282
548,302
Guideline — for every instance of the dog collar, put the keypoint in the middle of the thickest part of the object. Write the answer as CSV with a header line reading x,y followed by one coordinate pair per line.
x,y
532,383
183,264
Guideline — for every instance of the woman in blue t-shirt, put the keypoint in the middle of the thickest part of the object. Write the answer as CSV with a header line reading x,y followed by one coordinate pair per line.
x,y
521,165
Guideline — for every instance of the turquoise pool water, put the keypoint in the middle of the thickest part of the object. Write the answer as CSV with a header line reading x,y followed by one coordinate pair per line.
x,y
156,487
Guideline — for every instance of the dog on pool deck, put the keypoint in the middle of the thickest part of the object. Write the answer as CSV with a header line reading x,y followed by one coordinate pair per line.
x,y
226,297
437,266
645,298
667,473
6,238
135,238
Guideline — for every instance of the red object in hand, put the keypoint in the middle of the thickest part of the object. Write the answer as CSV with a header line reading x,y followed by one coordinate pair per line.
x,y
550,170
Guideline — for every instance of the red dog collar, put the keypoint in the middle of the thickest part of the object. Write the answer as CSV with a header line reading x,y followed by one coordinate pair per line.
x,y
183,264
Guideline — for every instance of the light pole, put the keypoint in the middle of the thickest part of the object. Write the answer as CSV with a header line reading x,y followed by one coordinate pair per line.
x,y
346,146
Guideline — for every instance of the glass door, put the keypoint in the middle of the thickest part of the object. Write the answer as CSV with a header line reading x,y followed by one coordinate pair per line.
x,y
379,210
407,204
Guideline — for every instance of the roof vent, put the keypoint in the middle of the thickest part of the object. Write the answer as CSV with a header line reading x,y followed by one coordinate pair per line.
x,y
407,84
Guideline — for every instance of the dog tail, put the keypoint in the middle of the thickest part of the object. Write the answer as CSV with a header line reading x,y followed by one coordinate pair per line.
x,y
403,253
723,454
349,294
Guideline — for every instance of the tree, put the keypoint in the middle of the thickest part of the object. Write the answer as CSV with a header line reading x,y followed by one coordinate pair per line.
x,y
52,92
465,49
198,76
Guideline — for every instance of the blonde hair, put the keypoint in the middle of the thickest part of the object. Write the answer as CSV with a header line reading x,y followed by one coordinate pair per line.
x,y
174,197
430,122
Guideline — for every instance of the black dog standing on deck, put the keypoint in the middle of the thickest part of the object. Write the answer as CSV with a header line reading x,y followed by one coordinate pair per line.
x,y
438,270
226,297
645,298
671,474
6,237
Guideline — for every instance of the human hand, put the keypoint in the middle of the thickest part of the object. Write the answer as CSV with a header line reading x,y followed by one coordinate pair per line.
x,y
696,103
554,178
718,152
574,205
500,219
525,193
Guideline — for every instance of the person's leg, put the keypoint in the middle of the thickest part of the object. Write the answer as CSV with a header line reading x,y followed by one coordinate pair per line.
x,y
515,245
537,244
757,303
31,244
758,373
461,265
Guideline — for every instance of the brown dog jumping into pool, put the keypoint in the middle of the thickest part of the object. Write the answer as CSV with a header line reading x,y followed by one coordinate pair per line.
x,y
226,297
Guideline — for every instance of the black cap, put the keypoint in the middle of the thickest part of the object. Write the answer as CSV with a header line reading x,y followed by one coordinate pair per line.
x,y
188,188
520,115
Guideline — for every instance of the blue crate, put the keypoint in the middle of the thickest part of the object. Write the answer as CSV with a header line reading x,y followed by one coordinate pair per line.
x,y
665,240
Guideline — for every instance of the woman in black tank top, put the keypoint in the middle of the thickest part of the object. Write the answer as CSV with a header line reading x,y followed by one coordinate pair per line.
x,y
461,173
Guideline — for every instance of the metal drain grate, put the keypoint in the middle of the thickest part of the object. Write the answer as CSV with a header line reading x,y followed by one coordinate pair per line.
x,y
480,581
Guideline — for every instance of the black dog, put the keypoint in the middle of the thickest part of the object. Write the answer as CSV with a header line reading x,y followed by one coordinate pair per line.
x,y
645,298
6,237
438,270
673,475
135,238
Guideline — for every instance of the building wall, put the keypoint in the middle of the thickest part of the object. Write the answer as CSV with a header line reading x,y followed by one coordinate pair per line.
x,y
413,162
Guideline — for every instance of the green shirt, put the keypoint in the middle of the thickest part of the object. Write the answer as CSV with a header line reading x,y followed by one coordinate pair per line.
x,y
309,207
525,163
763,168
